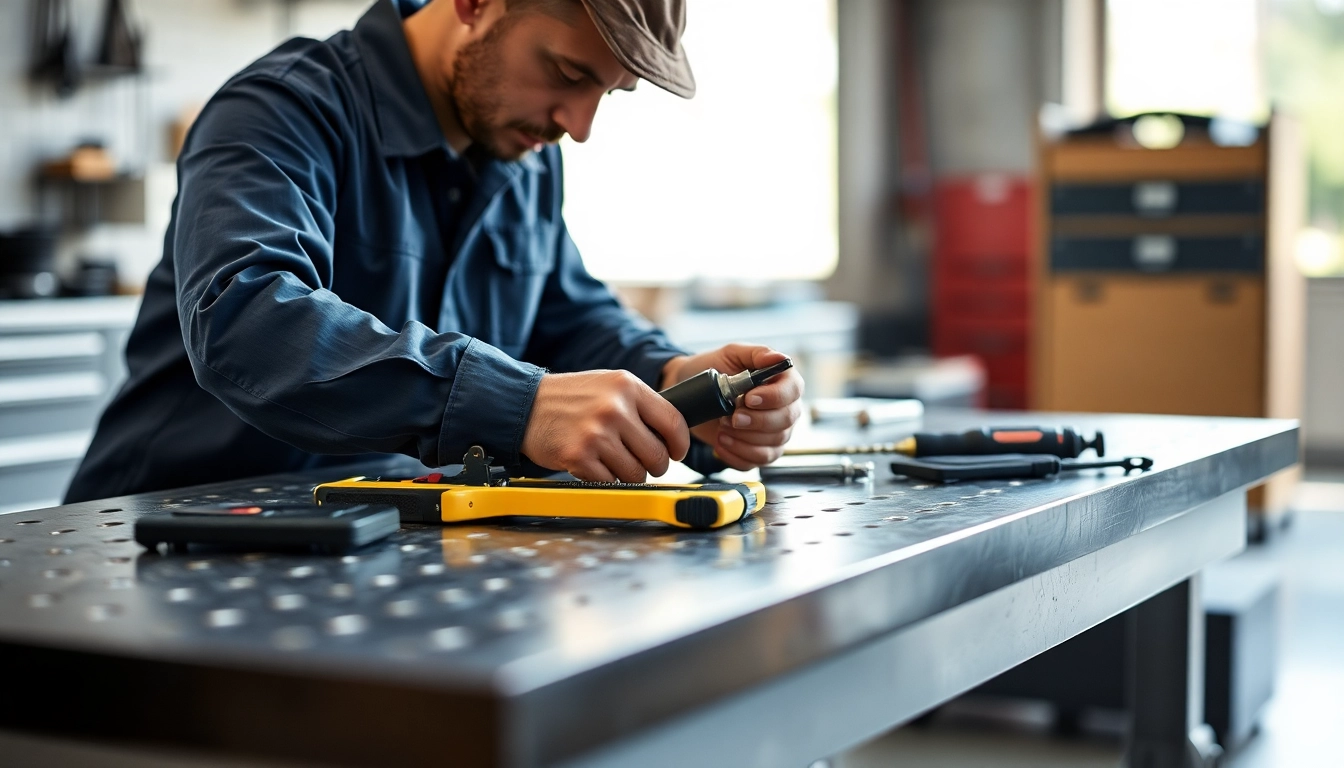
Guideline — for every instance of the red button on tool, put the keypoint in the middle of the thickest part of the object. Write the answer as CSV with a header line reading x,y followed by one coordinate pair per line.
x,y
245,510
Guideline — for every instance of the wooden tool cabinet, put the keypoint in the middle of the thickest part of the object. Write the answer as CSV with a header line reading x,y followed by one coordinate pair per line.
x,y
1165,281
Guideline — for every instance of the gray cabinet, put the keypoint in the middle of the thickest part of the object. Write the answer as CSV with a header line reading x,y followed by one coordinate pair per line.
x,y
60,362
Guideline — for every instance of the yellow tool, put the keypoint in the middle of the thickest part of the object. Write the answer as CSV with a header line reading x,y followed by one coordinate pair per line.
x,y
480,491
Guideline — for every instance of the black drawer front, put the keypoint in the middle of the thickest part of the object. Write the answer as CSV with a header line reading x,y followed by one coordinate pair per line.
x,y
1158,198
1158,254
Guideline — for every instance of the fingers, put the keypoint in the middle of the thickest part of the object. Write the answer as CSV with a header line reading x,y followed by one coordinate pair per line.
x,y
779,392
741,455
665,420
747,419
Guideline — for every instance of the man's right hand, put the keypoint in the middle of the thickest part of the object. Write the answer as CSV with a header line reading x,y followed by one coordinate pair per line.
x,y
603,426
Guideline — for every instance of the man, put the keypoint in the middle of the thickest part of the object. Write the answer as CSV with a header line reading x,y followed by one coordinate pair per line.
x,y
367,255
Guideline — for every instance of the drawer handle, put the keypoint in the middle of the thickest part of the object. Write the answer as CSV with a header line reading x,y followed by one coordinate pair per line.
x,y
1154,253
20,390
62,346
1155,198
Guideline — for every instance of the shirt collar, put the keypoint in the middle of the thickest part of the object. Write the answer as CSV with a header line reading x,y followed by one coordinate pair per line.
x,y
406,123
405,119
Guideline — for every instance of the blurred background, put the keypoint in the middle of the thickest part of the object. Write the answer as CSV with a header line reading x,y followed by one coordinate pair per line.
x,y
1068,205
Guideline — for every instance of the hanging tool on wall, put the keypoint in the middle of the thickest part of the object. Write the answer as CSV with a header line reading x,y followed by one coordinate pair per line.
x,y
482,491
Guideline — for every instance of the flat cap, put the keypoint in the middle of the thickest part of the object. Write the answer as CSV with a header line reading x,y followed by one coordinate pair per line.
x,y
645,36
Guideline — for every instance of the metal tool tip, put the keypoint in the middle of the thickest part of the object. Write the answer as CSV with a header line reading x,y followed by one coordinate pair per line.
x,y
759,377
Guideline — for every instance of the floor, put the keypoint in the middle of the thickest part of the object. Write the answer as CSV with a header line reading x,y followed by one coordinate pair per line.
x,y
1300,728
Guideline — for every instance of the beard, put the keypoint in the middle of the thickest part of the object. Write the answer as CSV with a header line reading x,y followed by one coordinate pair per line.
x,y
475,94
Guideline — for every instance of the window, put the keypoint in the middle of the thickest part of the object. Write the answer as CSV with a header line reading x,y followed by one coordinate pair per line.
x,y
1194,56
739,182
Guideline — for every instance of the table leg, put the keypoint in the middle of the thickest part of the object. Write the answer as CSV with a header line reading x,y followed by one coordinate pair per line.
x,y
1166,689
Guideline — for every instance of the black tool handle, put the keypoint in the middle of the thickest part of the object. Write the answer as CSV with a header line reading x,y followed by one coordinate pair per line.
x,y
1062,442
700,398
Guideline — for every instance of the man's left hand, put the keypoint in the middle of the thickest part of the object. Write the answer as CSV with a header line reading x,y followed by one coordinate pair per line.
x,y
756,432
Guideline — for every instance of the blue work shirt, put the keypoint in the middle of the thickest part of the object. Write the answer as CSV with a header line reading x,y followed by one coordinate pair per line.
x,y
337,281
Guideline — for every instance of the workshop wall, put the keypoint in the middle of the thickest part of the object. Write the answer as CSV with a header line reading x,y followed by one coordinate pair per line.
x,y
191,48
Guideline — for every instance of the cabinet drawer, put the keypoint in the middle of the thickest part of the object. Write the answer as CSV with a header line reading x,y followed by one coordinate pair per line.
x,y
1129,344
1158,253
1158,198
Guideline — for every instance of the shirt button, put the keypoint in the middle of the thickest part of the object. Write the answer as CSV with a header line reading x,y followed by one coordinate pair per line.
x,y
454,195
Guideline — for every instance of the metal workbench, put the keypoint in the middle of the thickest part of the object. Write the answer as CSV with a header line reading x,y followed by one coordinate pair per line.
x,y
837,613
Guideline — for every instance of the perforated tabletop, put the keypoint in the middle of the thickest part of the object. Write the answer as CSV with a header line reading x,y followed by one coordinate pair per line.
x,y
534,640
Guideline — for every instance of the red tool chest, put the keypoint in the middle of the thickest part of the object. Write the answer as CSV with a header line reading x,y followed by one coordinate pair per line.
x,y
980,276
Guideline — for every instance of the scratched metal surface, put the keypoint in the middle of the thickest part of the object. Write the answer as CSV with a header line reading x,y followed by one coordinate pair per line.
x,y
637,621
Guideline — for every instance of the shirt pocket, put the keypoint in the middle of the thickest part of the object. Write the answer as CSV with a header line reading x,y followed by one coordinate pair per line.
x,y
522,249
524,259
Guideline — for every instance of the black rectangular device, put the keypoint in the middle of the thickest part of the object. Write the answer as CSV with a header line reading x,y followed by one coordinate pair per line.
x,y
289,526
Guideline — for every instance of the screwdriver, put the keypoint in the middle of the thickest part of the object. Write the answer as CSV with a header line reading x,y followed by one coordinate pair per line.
x,y
710,395
1064,442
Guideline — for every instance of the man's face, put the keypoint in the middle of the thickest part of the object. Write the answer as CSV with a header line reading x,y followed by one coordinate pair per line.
x,y
532,77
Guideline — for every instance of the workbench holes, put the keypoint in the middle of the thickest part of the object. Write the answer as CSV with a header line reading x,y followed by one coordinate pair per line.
x,y
831,509
28,522
349,624
896,518
511,619
781,523
118,560
109,510
857,503
431,569
815,490
925,511
794,496
813,542
386,580
62,531
294,638
241,582
403,609
497,584
116,540
449,639
103,612
880,498
341,591
120,582
199,565
801,517
59,573
288,602
786,551
870,525
60,551
111,524
42,600
6,541
455,596
301,571
843,533
223,618
920,487
181,594
946,504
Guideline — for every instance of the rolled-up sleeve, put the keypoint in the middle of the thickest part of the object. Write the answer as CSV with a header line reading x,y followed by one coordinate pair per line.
x,y
265,334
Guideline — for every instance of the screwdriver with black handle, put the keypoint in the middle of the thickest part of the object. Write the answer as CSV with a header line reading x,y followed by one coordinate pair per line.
x,y
1062,442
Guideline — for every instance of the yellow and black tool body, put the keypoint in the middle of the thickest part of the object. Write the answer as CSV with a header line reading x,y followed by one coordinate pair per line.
x,y
480,491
